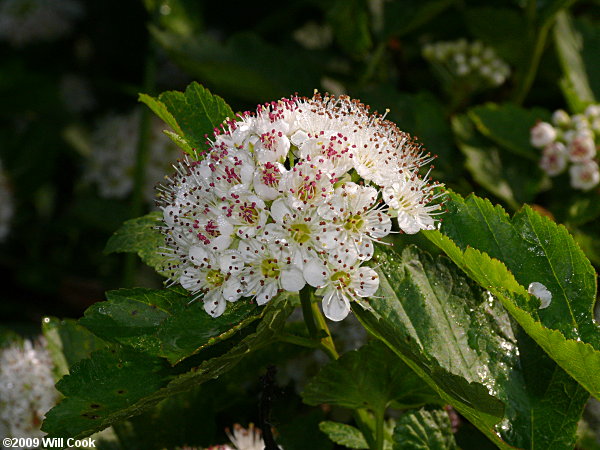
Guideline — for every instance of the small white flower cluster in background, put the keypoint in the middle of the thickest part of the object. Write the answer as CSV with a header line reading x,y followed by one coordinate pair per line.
x,y
26,21
26,389
114,146
296,194
570,139
6,205
241,439
462,59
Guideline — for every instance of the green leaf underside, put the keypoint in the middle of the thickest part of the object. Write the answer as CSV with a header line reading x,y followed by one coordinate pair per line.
x,y
163,322
513,179
509,126
343,434
462,342
370,377
575,84
529,248
121,382
192,114
424,430
140,236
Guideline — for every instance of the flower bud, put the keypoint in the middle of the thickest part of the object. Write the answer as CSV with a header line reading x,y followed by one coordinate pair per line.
x,y
542,134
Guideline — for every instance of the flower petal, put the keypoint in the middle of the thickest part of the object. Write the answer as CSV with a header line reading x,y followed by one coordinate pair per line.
x,y
292,279
335,306
316,273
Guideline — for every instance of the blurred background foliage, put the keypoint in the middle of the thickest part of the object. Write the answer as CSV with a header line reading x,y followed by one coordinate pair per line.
x,y
55,93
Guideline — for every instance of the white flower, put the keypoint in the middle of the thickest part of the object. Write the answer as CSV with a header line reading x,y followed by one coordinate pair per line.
x,y
461,59
554,158
542,134
114,146
6,205
592,111
246,439
540,291
352,219
342,280
216,276
560,118
269,268
26,389
584,176
410,200
299,230
307,185
274,190
582,147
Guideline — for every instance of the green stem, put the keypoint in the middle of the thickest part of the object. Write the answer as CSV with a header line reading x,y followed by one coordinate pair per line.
x,y
141,158
315,323
536,56
379,420
298,340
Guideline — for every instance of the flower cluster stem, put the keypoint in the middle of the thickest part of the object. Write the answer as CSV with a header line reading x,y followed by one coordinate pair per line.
x,y
379,421
534,62
315,323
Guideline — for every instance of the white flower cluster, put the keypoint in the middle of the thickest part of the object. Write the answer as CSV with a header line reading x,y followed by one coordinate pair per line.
x,y
26,389
25,21
6,205
294,195
468,59
114,146
570,139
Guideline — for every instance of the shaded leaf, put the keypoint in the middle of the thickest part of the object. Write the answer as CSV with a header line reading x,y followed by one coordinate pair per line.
x,y
424,429
164,322
514,179
508,125
506,254
462,342
192,114
343,434
243,66
370,377
121,382
503,30
68,343
140,236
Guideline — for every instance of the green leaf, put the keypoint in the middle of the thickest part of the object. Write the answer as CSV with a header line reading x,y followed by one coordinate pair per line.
x,y
508,125
121,382
193,114
504,29
424,429
350,22
575,85
461,341
243,67
505,255
141,236
370,377
514,179
343,434
164,322
68,343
